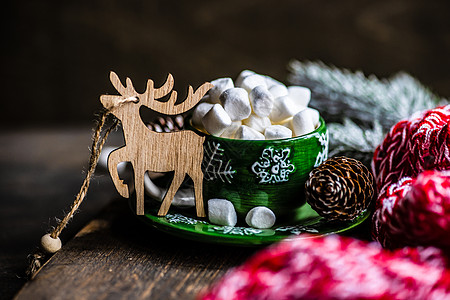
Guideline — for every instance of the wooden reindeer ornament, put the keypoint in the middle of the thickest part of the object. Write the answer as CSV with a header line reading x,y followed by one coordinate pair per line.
x,y
147,150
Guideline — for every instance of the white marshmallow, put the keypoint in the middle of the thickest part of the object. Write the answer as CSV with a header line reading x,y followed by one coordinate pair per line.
x,y
270,82
283,108
257,123
302,122
260,217
236,103
220,85
199,112
252,81
216,120
221,212
246,133
205,98
278,90
242,75
231,130
287,123
300,95
315,116
276,132
261,100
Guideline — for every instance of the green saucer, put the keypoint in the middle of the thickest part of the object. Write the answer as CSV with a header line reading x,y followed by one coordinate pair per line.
x,y
184,224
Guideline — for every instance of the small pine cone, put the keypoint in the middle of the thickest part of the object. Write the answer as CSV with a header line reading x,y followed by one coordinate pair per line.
x,y
167,124
340,188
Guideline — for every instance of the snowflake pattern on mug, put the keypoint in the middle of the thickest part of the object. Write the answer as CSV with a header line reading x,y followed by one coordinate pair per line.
x,y
273,166
237,230
323,154
215,165
179,218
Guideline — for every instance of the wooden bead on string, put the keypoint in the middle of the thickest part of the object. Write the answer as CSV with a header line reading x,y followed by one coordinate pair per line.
x,y
49,244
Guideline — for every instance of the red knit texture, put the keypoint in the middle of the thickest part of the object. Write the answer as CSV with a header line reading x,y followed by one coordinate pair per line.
x,y
415,212
412,146
335,267
410,212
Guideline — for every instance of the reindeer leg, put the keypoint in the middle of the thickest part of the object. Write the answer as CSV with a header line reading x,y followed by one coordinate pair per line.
x,y
113,159
197,177
174,186
139,188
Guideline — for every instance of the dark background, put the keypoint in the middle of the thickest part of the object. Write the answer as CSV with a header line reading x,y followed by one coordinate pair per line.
x,y
57,54
56,58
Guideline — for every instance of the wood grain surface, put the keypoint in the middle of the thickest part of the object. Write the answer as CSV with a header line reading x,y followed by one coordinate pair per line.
x,y
117,257
41,171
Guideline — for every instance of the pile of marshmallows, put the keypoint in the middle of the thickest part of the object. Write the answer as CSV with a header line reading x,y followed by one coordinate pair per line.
x,y
255,107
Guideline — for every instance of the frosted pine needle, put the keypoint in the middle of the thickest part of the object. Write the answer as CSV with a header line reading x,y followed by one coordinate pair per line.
x,y
360,109
349,138
342,93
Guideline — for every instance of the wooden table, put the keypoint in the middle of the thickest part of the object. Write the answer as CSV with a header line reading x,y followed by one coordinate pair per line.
x,y
114,256
117,257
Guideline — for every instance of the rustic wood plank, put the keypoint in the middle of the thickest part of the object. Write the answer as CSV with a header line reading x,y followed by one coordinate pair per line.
x,y
116,256
41,170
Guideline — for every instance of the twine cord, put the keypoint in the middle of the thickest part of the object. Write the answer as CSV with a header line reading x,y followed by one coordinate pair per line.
x,y
37,259
96,148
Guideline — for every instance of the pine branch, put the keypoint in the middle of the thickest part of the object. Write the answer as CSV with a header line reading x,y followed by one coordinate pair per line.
x,y
359,110
352,140
361,98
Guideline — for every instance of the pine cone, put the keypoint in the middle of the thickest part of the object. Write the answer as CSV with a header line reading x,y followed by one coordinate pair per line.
x,y
167,124
340,188
415,212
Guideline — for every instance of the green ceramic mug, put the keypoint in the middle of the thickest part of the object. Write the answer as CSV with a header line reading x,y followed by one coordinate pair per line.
x,y
269,173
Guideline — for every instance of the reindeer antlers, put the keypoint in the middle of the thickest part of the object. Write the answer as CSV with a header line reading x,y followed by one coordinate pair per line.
x,y
170,108
151,93
124,91
164,89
